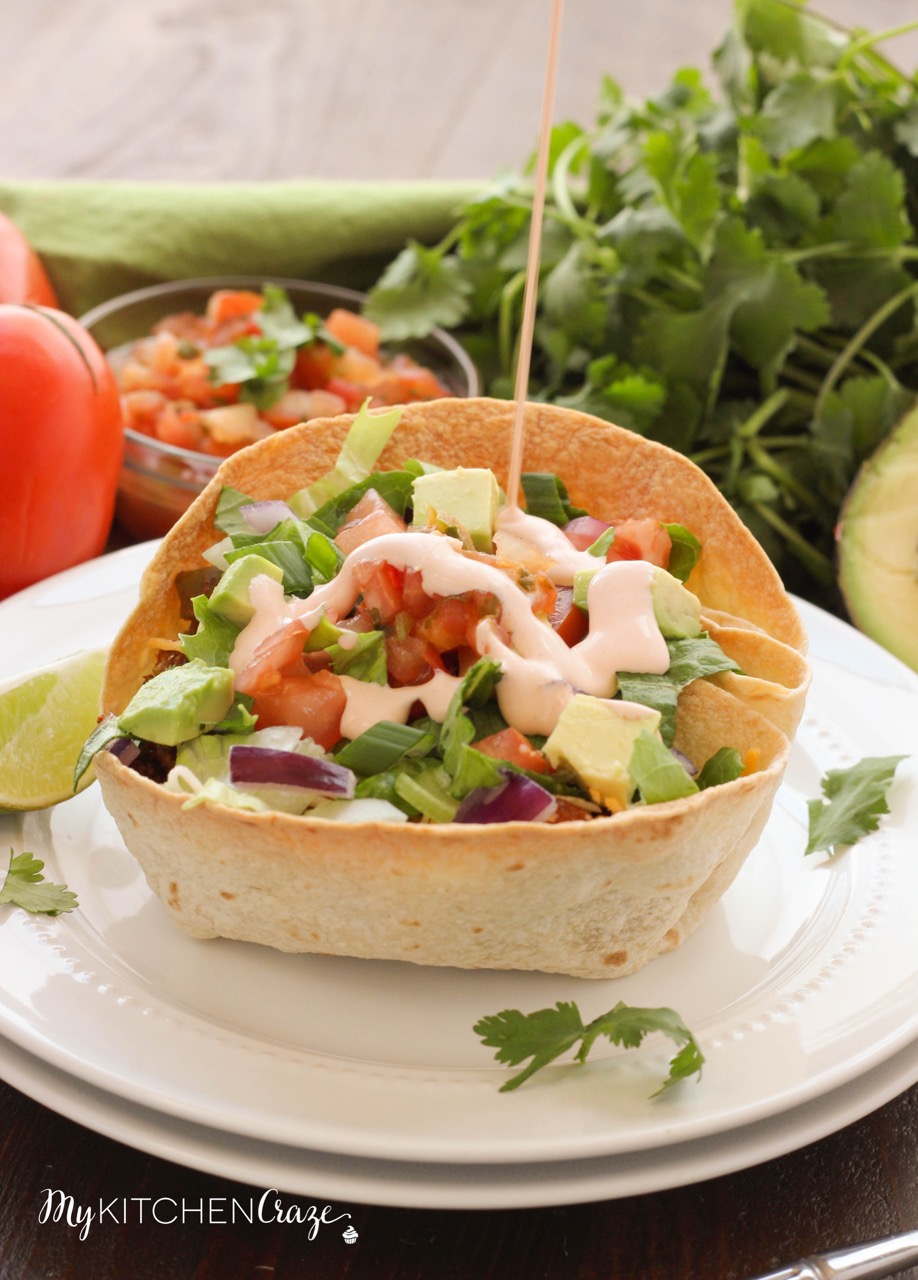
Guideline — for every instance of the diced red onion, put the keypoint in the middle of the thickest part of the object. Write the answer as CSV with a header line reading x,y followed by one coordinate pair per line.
x,y
126,750
584,530
690,768
267,766
262,517
519,799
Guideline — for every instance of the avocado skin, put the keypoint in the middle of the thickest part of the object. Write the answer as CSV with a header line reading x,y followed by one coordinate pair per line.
x,y
877,543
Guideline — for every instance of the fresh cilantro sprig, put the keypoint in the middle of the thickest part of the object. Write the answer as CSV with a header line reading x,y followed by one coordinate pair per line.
x,y
733,272
855,801
25,886
546,1034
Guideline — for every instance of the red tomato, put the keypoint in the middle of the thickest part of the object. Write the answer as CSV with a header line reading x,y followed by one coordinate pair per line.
x,y
452,621
515,748
641,540
353,330
410,660
351,393
313,366
571,623
371,517
314,701
61,441
381,587
22,276
230,304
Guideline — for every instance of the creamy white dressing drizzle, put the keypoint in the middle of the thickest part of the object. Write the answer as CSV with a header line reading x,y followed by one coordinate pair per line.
x,y
540,671
548,539
368,703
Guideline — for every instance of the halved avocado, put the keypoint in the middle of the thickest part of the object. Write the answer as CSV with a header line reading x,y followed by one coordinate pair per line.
x,y
878,544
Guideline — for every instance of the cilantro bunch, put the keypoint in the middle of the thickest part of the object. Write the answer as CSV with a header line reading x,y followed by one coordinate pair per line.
x,y
732,271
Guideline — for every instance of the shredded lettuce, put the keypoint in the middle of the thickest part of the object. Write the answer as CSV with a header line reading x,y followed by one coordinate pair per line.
x,y
367,437
658,774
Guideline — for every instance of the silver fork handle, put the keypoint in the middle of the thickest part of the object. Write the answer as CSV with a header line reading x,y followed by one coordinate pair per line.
x,y
871,1261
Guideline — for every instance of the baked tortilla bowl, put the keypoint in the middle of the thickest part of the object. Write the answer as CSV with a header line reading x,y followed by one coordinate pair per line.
x,y
594,899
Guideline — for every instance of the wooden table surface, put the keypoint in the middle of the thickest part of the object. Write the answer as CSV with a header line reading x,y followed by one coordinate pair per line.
x,y
207,90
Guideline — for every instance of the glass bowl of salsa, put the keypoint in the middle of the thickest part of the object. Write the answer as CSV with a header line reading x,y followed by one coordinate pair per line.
x,y
208,366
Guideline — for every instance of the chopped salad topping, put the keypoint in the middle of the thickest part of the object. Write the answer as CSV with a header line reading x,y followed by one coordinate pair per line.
x,y
409,639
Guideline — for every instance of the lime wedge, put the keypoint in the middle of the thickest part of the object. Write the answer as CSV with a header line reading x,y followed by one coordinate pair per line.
x,y
45,717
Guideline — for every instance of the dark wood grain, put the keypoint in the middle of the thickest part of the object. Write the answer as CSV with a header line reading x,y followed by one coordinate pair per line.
x,y
860,1183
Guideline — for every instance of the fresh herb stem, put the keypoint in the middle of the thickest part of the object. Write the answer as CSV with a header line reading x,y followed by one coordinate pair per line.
x,y
507,328
819,566
866,331
767,464
756,421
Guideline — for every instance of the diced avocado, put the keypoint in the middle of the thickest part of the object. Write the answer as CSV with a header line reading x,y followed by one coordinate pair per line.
x,y
467,497
677,611
582,580
594,739
230,597
878,544
179,703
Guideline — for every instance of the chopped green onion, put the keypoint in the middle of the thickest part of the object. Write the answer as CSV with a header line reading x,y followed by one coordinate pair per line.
x,y
382,746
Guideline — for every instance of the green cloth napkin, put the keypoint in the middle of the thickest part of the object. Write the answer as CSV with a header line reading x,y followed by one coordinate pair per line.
x,y
100,239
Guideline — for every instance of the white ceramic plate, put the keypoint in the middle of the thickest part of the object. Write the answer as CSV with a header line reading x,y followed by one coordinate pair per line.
x,y
803,979
415,1185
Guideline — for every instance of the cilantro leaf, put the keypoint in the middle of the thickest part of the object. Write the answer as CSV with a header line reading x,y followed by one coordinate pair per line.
x,y
545,1035
417,291
855,802
25,886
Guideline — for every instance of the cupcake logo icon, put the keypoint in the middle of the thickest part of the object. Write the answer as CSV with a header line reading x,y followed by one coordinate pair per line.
x,y
349,1236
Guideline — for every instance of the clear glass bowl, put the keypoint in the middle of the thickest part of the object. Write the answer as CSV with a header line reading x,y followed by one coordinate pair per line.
x,y
160,481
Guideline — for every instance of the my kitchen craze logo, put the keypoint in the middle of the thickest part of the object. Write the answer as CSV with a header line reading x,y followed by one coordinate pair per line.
x,y
215,1211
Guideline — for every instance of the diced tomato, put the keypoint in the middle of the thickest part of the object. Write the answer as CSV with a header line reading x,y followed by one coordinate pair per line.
x,y
352,394
353,330
410,660
571,623
381,587
404,382
641,540
228,304
371,517
314,701
584,530
273,656
415,599
353,366
142,409
452,621
180,427
515,748
313,366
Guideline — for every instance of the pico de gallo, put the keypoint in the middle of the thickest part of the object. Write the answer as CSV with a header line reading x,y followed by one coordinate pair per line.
x,y
409,646
250,366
